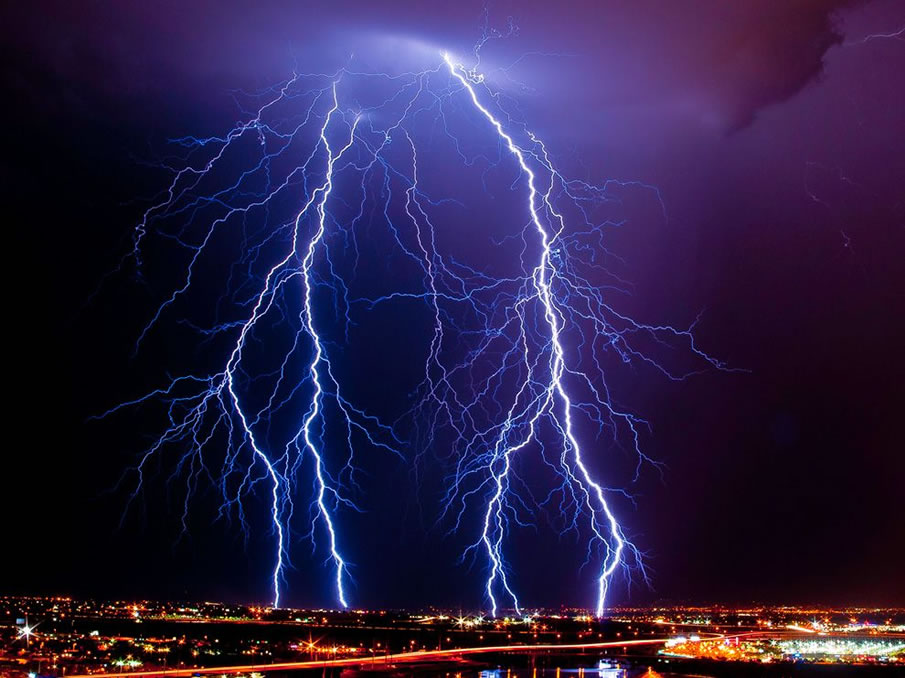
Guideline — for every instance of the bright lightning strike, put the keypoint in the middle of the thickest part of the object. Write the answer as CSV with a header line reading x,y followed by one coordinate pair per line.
x,y
283,212
493,522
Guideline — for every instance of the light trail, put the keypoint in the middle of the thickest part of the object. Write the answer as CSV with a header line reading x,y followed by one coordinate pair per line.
x,y
401,657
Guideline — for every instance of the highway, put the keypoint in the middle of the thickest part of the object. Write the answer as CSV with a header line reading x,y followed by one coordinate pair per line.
x,y
399,657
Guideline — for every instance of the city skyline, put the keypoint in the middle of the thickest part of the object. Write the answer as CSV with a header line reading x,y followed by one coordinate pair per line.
x,y
149,638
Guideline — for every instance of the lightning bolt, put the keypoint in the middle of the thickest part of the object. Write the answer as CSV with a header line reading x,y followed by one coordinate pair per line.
x,y
320,354
221,391
553,318
514,362
543,393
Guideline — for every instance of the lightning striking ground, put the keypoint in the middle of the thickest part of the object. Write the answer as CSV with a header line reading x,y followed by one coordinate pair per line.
x,y
515,362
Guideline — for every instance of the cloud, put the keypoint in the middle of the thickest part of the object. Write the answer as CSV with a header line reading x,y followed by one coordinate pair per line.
x,y
721,62
772,55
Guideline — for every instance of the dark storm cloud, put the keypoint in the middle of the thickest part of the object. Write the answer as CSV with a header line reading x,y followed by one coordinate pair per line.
x,y
715,63
718,63
772,54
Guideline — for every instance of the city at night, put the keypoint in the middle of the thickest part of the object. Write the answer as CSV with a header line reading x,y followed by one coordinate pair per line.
x,y
454,339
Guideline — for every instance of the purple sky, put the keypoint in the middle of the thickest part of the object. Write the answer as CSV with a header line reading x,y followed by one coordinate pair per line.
x,y
775,132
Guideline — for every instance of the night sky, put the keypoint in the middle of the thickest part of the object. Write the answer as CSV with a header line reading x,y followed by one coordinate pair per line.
x,y
775,134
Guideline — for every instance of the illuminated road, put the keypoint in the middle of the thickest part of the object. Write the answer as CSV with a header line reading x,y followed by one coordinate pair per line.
x,y
418,656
